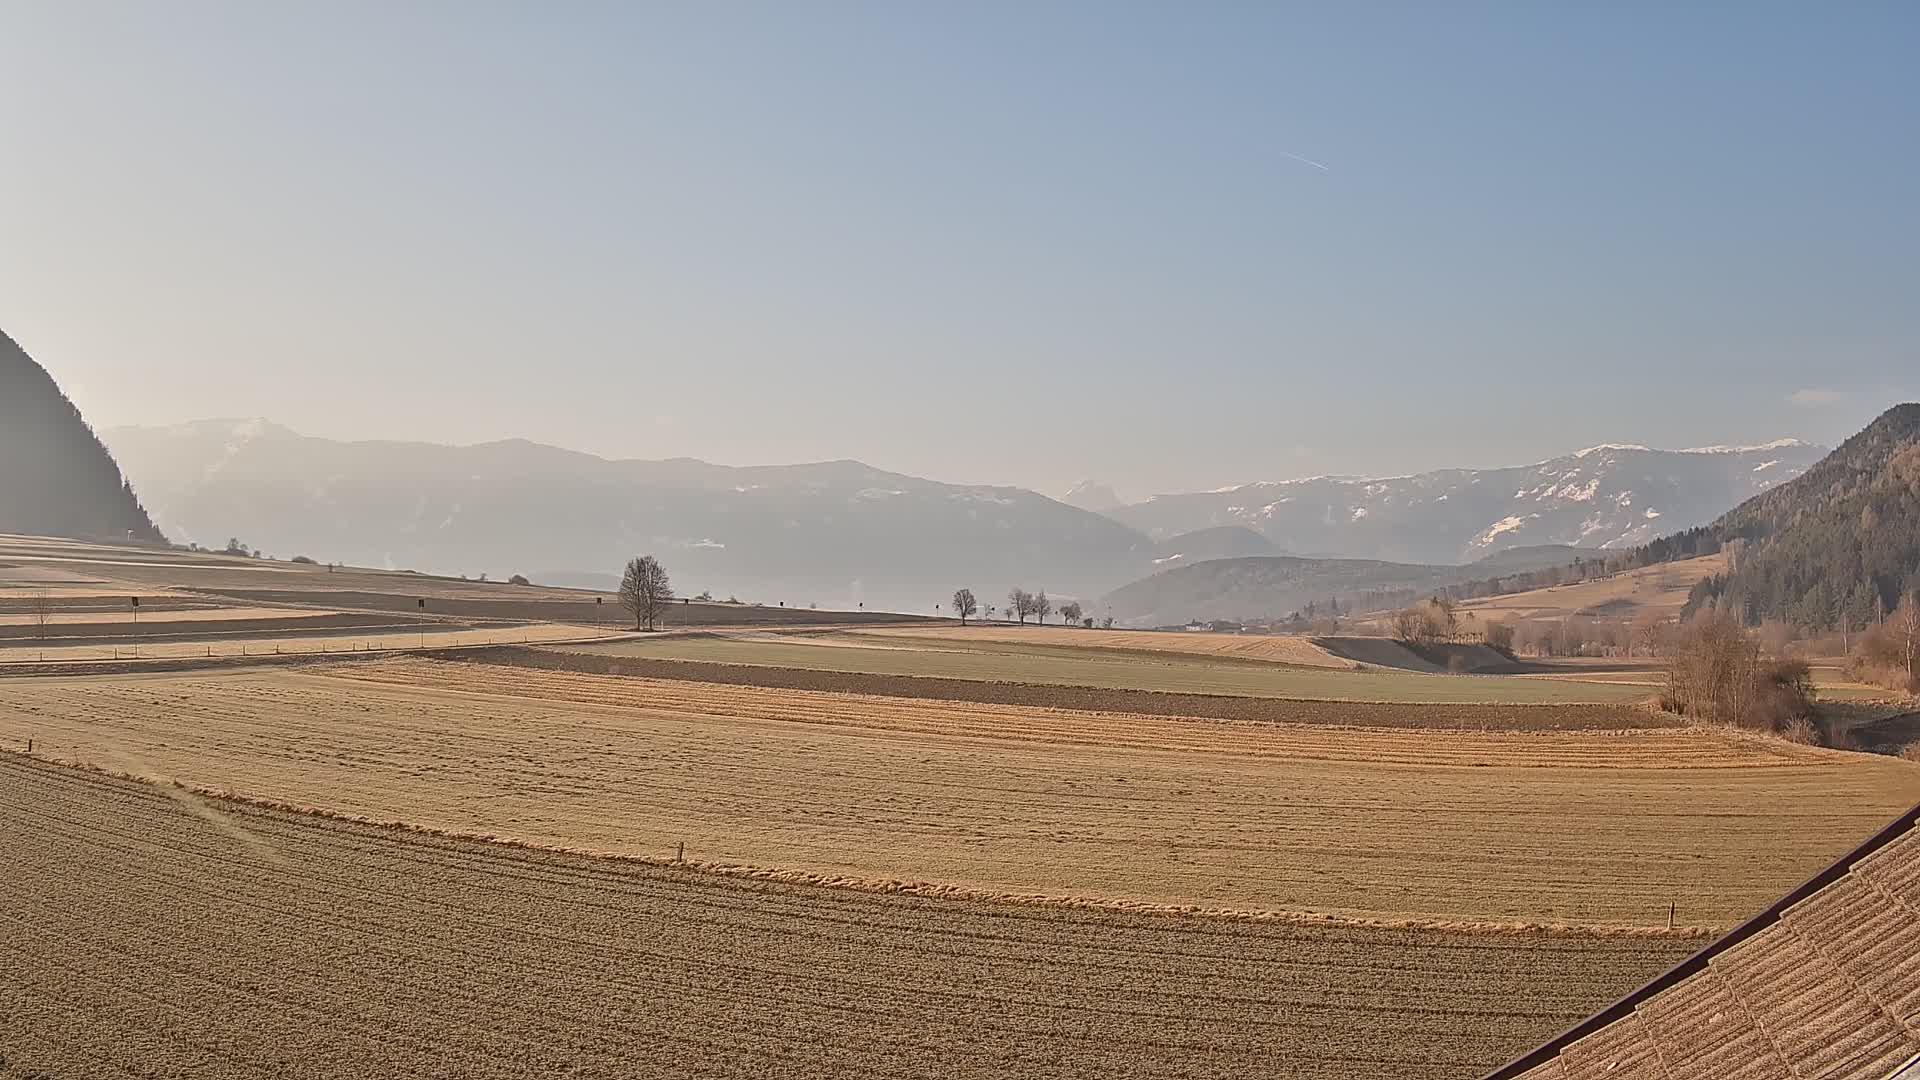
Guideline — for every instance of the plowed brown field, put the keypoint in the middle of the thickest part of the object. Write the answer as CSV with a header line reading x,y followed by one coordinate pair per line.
x,y
1577,827
147,932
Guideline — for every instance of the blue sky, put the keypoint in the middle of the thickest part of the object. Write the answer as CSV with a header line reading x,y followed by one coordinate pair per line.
x,y
1020,243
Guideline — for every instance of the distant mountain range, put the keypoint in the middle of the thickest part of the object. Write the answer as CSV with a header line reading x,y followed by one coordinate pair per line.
x,y
56,479
1609,496
835,533
842,533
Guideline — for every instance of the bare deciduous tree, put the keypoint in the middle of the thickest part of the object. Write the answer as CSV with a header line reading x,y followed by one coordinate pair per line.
x,y
1041,606
40,606
1070,612
964,605
1647,634
1889,652
1906,624
1020,604
644,591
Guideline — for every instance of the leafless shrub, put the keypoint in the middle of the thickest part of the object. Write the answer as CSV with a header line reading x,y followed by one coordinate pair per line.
x,y
1499,637
1717,672
1801,729
1889,653
1427,623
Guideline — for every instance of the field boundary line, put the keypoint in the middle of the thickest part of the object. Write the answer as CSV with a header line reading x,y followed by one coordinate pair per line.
x,y
237,803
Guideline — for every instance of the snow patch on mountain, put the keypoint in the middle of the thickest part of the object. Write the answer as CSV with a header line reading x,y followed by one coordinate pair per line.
x,y
1760,448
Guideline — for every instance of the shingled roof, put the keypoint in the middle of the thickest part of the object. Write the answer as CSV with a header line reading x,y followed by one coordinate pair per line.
x,y
1823,985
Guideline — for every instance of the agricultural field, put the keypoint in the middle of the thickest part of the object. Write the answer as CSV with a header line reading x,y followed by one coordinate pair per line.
x,y
937,656
995,801
541,846
1831,682
69,601
1275,648
1658,591
153,932
287,639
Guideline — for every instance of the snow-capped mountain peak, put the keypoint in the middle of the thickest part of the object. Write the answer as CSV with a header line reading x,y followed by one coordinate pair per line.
x,y
1777,444
1615,495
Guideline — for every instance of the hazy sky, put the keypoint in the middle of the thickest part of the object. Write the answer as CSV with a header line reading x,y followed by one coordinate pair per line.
x,y
1169,246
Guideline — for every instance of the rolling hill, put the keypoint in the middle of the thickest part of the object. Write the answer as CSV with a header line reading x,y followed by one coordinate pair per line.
x,y
57,480
1272,587
1613,496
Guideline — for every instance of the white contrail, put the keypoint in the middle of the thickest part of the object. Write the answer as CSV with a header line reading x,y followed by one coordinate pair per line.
x,y
1305,161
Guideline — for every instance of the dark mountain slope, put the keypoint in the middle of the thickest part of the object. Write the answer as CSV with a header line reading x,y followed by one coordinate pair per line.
x,y
56,479
1840,542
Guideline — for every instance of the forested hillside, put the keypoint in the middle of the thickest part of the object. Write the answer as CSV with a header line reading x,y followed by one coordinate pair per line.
x,y
1838,544
56,478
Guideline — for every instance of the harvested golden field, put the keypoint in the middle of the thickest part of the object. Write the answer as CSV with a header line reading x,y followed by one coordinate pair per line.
x,y
121,615
1449,716
1575,827
1659,590
74,570
1274,648
150,932
1193,673
287,640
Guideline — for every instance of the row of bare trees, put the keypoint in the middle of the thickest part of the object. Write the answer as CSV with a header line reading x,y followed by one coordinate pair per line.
x,y
1020,605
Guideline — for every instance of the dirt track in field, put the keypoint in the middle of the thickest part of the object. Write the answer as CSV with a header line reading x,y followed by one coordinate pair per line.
x,y
1573,827
152,933
1096,699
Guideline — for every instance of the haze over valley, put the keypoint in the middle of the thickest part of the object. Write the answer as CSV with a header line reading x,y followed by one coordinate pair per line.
x,y
844,534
